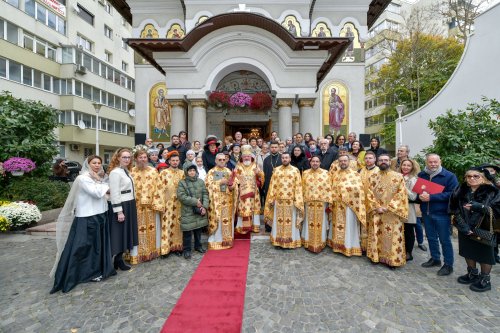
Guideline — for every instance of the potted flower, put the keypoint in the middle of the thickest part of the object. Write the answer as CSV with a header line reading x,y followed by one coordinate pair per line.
x,y
240,100
218,99
17,166
261,101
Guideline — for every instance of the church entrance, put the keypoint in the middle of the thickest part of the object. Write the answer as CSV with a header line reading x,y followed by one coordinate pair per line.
x,y
256,129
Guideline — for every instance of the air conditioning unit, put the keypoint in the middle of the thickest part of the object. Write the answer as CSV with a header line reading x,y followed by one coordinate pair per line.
x,y
74,147
80,69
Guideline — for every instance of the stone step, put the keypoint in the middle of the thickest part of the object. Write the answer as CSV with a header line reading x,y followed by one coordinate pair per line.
x,y
48,229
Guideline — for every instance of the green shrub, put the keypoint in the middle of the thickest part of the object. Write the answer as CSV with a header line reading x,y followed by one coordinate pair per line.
x,y
45,193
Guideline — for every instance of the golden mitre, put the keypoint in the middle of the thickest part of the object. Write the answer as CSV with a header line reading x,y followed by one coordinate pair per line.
x,y
246,150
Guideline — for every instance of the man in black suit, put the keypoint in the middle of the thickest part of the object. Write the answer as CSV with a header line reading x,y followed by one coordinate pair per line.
x,y
326,154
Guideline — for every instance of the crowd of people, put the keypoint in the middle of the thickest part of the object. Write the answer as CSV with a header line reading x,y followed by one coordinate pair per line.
x,y
311,192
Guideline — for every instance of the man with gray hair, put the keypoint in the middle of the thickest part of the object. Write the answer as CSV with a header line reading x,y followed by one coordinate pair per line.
x,y
403,153
435,213
350,139
326,154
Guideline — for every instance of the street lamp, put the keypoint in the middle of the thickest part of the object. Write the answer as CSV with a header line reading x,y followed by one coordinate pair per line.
x,y
97,107
399,109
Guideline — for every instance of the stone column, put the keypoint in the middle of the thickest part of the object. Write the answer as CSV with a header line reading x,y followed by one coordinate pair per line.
x,y
178,116
285,118
307,117
295,125
199,120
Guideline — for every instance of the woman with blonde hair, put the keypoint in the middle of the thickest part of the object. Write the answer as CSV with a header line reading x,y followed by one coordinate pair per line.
x,y
409,169
123,211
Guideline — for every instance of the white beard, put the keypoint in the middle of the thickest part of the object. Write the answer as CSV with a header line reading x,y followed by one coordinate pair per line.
x,y
247,163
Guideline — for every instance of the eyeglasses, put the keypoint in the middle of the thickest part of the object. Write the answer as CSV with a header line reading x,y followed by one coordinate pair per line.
x,y
221,159
473,176
126,157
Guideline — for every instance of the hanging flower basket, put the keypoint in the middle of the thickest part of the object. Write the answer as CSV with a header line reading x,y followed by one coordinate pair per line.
x,y
18,166
240,100
218,99
261,101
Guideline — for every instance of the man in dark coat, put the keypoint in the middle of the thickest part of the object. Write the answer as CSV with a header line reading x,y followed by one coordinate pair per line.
x,y
326,154
176,145
270,162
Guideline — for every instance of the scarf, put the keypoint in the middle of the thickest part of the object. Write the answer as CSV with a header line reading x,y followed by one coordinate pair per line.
x,y
432,174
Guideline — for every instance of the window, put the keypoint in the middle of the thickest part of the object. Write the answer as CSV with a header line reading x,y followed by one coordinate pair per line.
x,y
108,32
85,15
27,76
56,85
124,66
3,67
51,20
14,3
124,45
84,43
46,82
29,7
14,71
108,8
37,78
12,33
108,56
41,13
87,91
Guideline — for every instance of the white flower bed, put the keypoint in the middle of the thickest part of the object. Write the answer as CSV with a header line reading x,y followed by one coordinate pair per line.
x,y
20,213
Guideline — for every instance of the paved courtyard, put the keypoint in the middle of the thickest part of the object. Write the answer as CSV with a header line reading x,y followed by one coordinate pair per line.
x,y
287,291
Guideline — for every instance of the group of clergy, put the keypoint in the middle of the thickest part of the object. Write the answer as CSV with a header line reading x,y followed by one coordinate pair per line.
x,y
352,211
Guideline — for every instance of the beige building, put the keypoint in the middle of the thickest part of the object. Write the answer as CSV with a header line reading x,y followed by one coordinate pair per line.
x,y
70,54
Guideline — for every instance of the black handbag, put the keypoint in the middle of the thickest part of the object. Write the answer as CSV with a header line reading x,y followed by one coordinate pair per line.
x,y
486,237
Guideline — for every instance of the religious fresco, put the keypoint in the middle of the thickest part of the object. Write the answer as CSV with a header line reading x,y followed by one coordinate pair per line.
x,y
202,19
244,81
321,30
175,32
335,109
292,25
149,31
354,52
159,113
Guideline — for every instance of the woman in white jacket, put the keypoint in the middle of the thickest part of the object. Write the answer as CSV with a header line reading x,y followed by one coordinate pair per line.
x,y
123,212
409,170
82,231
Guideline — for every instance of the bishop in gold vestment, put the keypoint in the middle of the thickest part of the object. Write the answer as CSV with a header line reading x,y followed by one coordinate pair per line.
x,y
168,205
365,173
145,187
348,210
317,191
248,178
387,209
222,206
284,209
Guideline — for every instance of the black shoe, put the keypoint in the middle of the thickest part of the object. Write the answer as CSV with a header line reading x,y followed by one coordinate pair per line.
x,y
268,228
409,257
123,266
164,256
200,249
482,284
472,276
445,270
187,255
422,247
431,263
178,253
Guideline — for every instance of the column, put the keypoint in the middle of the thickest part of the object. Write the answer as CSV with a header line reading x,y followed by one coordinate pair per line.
x,y
199,120
307,117
296,125
285,118
178,116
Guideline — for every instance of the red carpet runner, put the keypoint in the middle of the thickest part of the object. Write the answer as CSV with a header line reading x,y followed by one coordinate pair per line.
x,y
214,298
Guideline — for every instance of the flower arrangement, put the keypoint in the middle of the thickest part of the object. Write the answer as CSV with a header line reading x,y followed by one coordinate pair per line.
x,y
218,99
240,100
14,164
20,213
4,224
261,101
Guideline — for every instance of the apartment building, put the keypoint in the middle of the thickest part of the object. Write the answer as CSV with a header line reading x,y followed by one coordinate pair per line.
x,y
70,54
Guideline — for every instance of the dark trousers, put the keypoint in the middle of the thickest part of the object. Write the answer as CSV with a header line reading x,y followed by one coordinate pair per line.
x,y
409,237
186,239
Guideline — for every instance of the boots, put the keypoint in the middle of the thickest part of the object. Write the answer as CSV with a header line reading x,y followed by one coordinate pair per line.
x,y
472,276
119,263
483,283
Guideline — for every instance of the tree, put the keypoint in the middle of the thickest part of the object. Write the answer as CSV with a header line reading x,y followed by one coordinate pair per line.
x,y
467,138
416,71
27,129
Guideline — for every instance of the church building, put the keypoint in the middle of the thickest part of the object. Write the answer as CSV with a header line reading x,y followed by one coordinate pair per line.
x,y
221,66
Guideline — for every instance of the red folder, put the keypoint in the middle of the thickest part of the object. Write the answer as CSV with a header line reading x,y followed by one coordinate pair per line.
x,y
424,185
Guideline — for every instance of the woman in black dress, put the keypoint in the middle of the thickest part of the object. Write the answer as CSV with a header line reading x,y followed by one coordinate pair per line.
x,y
82,231
299,159
472,203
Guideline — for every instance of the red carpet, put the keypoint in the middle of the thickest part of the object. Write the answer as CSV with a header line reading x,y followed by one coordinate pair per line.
x,y
214,298
237,235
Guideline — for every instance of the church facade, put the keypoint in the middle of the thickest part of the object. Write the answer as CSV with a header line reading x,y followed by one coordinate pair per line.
x,y
285,65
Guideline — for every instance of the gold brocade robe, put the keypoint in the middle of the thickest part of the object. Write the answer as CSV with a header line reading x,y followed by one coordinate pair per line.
x,y
385,232
221,209
169,206
245,180
365,174
317,191
335,166
348,191
285,194
145,187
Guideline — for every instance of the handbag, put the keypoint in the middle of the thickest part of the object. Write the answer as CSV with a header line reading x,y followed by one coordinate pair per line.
x,y
486,237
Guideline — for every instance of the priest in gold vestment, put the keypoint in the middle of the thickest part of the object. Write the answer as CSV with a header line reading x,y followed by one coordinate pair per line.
x,y
365,173
169,206
222,206
247,179
348,210
145,185
284,209
387,209
317,192
353,164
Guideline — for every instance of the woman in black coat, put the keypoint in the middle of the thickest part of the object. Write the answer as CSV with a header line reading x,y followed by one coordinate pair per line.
x,y
299,159
375,147
472,203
